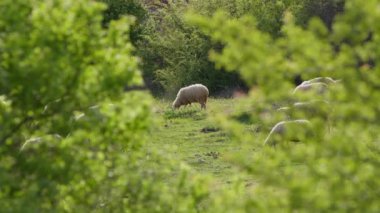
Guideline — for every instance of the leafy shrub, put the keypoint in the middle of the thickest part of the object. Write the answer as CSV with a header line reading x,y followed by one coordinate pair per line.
x,y
71,140
175,54
326,10
335,171
117,8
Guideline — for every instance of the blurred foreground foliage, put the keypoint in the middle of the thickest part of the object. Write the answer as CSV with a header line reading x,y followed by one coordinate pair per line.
x,y
337,170
72,141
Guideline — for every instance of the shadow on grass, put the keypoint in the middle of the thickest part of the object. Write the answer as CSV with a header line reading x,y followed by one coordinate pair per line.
x,y
209,129
196,114
244,118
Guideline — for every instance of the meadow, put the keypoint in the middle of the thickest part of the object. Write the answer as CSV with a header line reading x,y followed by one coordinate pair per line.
x,y
190,135
76,136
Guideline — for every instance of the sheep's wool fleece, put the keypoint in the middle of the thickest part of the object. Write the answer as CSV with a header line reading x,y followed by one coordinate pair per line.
x,y
190,94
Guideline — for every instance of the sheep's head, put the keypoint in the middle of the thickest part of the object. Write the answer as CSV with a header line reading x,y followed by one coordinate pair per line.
x,y
176,104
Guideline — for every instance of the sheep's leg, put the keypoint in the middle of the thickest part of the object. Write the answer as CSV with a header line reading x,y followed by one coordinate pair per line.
x,y
203,102
203,105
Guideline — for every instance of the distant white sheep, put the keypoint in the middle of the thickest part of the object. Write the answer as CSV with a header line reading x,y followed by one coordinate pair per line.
x,y
326,80
320,109
319,85
298,130
311,108
196,93
295,130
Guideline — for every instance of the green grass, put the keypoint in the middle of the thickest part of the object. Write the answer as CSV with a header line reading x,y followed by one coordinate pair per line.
x,y
188,135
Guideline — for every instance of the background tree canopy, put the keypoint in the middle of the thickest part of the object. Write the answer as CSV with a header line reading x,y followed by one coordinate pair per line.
x,y
175,53
71,138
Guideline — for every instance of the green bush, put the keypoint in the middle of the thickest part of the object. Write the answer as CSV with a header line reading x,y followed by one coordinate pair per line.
x,y
175,54
326,10
335,171
59,151
117,8
71,140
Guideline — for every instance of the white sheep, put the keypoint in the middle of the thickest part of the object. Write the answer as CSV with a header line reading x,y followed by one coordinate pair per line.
x,y
298,130
315,109
295,130
319,85
196,93
326,80
310,108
